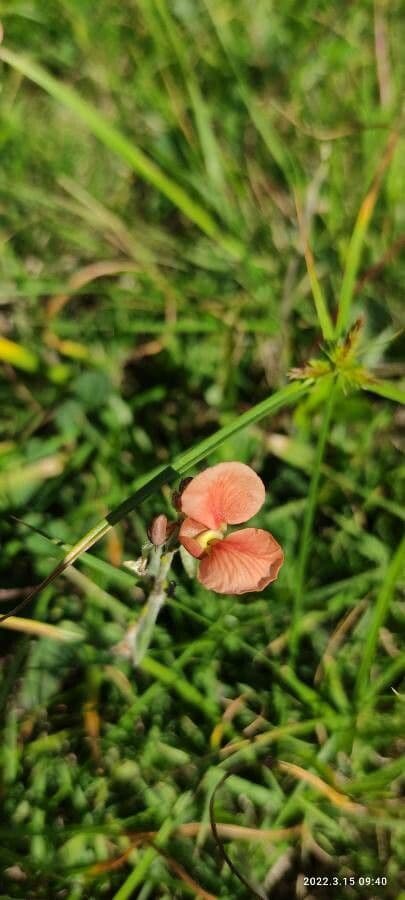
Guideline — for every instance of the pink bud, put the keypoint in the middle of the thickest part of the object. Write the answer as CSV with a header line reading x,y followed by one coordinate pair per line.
x,y
158,530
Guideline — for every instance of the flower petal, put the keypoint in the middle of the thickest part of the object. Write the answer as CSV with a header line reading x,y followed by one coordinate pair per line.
x,y
189,530
247,560
228,492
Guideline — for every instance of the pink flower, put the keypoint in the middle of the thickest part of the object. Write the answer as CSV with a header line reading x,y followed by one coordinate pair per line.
x,y
244,560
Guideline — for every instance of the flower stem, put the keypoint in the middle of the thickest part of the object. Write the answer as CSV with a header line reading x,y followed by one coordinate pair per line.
x,y
139,636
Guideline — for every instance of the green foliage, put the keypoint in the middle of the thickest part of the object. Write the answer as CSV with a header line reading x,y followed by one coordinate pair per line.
x,y
199,198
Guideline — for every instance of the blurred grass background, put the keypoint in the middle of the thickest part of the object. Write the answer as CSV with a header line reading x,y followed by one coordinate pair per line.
x,y
153,287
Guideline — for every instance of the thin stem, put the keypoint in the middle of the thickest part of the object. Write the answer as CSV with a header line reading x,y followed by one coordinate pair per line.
x,y
306,534
139,636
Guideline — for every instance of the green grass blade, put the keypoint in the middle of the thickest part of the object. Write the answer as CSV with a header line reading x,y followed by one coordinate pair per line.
x,y
306,534
396,567
146,857
392,671
137,875
357,241
386,389
322,311
124,148
284,397
324,319
184,688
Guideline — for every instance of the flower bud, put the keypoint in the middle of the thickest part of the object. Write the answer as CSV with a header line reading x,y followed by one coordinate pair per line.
x,y
158,530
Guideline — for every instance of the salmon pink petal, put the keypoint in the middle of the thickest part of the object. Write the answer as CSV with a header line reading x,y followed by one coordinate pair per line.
x,y
228,492
247,560
188,532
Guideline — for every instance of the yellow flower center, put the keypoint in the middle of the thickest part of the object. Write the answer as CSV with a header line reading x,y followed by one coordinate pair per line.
x,y
207,537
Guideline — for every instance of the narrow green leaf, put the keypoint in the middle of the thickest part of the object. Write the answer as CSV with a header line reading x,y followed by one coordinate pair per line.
x,y
321,306
379,614
378,780
146,857
284,397
386,389
357,241
185,689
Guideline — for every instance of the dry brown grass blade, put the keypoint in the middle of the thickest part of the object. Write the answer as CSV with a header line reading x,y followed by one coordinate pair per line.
x,y
40,629
181,872
321,306
110,865
269,737
149,348
373,271
337,638
92,724
191,829
227,831
321,786
231,711
85,276
382,54
8,594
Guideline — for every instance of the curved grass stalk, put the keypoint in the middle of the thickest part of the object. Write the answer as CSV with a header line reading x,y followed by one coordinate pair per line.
x,y
146,858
